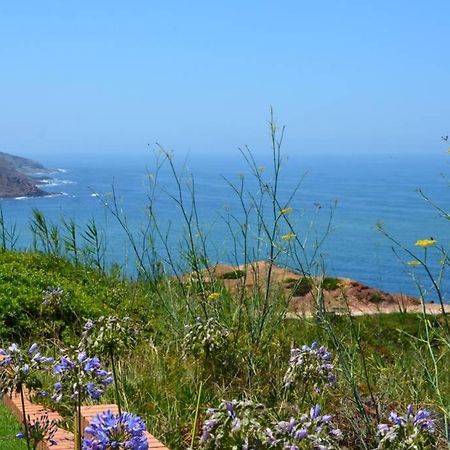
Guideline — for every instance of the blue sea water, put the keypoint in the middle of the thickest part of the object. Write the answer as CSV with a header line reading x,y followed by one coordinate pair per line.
x,y
365,188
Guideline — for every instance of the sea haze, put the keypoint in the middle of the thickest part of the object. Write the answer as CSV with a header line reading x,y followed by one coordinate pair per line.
x,y
366,189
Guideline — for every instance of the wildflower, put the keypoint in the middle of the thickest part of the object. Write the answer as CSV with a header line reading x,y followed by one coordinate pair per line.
x,y
88,326
109,334
311,430
312,365
285,211
109,337
18,367
414,263
424,243
234,424
288,237
214,296
205,337
40,429
79,377
52,296
248,425
120,431
408,431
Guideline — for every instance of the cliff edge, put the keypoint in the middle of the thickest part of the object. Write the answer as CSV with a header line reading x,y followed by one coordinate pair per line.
x,y
18,176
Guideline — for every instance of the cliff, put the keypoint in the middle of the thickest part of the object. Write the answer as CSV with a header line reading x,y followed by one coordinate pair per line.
x,y
18,176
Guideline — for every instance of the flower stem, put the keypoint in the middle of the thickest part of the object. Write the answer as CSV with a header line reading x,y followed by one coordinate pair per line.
x,y
25,424
197,409
78,422
116,385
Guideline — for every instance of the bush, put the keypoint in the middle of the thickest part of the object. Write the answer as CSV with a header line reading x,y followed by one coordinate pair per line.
x,y
234,275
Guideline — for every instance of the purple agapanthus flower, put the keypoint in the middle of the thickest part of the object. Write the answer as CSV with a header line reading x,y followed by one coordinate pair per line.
x,y
52,296
416,430
309,431
40,429
114,431
240,422
79,376
312,363
18,367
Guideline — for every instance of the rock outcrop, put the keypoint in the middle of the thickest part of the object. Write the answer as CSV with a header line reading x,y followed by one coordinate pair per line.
x,y
18,176
340,295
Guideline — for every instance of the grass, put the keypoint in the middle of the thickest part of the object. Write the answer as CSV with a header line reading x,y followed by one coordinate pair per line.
x,y
9,427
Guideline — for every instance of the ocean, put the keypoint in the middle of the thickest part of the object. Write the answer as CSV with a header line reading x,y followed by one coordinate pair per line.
x,y
362,190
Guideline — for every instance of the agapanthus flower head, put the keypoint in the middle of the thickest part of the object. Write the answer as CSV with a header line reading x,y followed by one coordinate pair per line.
x,y
234,424
248,425
204,336
310,431
310,365
20,366
109,334
40,429
79,377
411,430
113,431
52,296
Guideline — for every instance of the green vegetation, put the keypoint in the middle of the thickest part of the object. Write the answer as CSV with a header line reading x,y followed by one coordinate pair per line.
x,y
9,427
304,285
234,275
330,284
163,386
24,277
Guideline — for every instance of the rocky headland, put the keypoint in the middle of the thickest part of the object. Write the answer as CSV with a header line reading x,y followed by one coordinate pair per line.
x,y
19,177
340,295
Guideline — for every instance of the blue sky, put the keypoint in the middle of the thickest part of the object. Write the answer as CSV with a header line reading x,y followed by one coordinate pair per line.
x,y
112,76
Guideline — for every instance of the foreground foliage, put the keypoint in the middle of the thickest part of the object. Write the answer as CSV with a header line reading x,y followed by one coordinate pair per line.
x,y
168,371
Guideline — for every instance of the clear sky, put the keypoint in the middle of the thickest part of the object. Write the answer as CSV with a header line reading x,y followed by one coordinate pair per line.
x,y
112,76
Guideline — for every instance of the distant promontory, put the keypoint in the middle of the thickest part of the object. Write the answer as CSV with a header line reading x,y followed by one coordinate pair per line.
x,y
19,177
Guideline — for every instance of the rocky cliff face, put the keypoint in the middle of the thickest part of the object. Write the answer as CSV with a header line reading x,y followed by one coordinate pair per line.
x,y
16,176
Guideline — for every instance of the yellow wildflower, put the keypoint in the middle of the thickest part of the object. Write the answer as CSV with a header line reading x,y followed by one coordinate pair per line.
x,y
286,211
214,296
414,263
289,236
425,242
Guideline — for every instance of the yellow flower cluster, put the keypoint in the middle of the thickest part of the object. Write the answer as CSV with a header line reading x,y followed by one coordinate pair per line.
x,y
286,211
414,263
288,237
425,243
214,296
